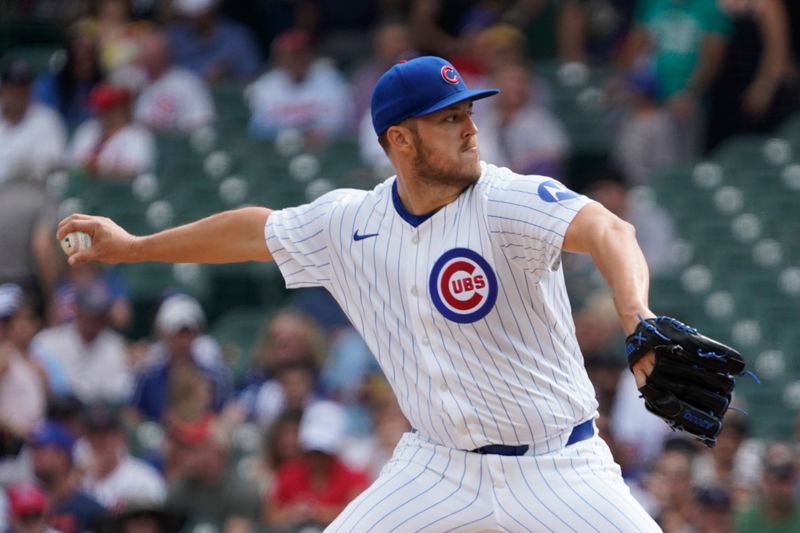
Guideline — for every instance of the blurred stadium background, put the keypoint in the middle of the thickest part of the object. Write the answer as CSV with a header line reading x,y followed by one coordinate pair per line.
x,y
183,397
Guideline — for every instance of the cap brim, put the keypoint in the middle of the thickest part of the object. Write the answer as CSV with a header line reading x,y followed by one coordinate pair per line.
x,y
453,99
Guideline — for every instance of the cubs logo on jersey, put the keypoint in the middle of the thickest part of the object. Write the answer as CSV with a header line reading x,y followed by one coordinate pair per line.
x,y
463,285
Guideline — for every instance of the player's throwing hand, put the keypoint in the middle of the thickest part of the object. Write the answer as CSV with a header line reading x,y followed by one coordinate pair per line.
x,y
110,243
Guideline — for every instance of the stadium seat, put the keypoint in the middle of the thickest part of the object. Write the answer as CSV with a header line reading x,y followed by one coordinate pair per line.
x,y
237,331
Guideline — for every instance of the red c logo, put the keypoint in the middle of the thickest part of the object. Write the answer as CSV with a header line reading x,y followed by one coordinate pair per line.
x,y
450,75
449,286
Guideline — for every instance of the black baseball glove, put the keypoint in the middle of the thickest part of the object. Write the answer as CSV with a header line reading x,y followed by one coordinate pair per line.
x,y
691,384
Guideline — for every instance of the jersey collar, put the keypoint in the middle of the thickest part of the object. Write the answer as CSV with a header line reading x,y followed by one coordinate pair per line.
x,y
414,220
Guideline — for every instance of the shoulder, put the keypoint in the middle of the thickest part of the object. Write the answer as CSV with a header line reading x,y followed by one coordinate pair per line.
x,y
88,130
52,335
138,470
44,115
502,189
499,181
183,77
325,69
230,29
345,198
136,132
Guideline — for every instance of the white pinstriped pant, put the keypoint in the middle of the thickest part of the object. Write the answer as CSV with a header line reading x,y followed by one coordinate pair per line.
x,y
432,488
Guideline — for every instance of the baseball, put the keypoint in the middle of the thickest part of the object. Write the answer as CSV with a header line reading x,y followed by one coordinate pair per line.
x,y
75,241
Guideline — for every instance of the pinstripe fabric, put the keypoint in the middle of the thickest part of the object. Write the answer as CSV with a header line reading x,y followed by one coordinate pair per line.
x,y
514,376
467,313
431,488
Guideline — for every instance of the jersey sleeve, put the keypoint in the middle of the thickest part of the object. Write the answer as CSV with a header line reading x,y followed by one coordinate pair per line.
x,y
298,240
530,215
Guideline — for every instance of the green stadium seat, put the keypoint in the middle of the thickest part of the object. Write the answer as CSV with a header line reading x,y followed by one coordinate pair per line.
x,y
40,58
237,331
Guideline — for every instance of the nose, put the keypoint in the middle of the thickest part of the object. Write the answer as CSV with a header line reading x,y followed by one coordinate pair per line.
x,y
471,128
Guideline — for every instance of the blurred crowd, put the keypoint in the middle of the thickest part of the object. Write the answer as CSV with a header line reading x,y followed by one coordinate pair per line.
x,y
102,432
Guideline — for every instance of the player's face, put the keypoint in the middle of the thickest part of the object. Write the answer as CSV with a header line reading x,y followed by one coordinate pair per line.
x,y
446,145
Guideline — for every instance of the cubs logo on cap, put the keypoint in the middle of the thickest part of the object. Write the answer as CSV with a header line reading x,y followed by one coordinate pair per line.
x,y
414,88
463,285
450,74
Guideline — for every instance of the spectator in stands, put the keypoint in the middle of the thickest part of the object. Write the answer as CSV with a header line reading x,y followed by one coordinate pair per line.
x,y
777,510
67,90
112,476
23,386
71,510
111,146
179,376
302,91
593,32
93,355
84,275
210,45
686,40
174,98
118,34
519,133
655,229
27,506
713,511
288,337
391,42
145,518
292,389
756,88
27,221
316,486
388,424
733,464
32,136
205,487
280,446
670,486
646,139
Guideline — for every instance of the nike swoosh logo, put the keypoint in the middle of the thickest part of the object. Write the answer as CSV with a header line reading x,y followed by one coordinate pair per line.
x,y
357,237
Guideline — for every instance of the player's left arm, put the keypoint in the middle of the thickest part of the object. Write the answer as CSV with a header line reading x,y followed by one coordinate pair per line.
x,y
612,244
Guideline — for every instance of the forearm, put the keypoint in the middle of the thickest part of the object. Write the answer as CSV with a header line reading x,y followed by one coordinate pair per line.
x,y
775,55
572,32
45,260
621,262
227,237
711,56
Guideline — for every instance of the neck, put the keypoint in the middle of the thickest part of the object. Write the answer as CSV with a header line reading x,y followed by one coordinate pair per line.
x,y
107,467
13,117
61,489
420,196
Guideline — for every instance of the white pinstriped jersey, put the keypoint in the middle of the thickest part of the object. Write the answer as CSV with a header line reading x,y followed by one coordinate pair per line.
x,y
465,310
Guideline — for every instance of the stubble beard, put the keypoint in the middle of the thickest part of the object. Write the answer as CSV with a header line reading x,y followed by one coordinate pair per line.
x,y
433,174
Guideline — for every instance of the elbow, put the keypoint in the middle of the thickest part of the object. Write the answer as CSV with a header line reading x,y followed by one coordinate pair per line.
x,y
625,228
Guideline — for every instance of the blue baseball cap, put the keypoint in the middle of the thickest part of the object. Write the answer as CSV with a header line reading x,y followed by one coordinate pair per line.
x,y
416,88
52,434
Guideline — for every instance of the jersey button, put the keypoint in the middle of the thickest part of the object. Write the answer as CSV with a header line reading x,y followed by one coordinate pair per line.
x,y
443,387
414,291
425,341
415,239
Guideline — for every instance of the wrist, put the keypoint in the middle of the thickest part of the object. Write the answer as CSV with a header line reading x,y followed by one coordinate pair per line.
x,y
630,320
136,249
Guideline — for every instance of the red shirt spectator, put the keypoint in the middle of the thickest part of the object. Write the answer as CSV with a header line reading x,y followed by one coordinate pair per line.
x,y
294,483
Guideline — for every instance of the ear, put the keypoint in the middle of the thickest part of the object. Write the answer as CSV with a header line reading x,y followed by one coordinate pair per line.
x,y
400,138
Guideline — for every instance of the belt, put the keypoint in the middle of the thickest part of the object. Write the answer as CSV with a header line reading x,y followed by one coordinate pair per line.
x,y
580,432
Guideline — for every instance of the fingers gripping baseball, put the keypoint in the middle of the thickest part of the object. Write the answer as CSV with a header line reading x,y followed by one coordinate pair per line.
x,y
109,243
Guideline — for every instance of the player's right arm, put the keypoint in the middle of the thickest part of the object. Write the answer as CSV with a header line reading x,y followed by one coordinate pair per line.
x,y
227,237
